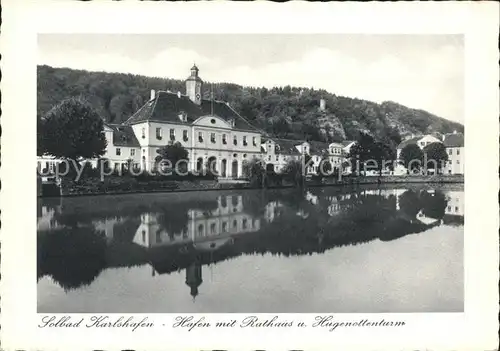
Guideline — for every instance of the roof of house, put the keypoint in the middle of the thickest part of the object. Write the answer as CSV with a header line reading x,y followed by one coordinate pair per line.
x,y
453,140
123,135
347,142
287,146
318,147
409,141
167,106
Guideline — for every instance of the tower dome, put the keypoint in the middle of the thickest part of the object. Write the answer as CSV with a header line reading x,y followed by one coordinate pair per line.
x,y
194,278
194,86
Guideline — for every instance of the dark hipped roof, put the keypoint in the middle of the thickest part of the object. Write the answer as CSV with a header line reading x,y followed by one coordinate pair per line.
x,y
318,147
123,135
409,141
287,146
454,140
167,106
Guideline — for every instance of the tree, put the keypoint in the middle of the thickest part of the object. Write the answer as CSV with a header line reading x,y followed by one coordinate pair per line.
x,y
72,130
293,171
325,166
362,151
436,156
174,152
382,153
255,172
411,156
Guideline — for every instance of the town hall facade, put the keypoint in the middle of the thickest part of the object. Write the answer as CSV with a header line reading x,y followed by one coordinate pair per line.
x,y
211,131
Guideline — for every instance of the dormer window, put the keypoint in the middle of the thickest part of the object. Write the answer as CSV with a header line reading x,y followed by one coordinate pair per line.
x,y
172,134
224,139
183,116
185,135
245,140
143,132
231,122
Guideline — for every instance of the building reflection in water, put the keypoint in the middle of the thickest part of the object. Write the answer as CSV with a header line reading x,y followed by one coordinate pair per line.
x,y
206,229
175,236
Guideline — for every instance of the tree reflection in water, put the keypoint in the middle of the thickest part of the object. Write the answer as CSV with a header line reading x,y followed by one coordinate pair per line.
x,y
307,223
71,256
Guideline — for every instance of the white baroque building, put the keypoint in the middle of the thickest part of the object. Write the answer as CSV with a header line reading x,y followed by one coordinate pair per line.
x,y
211,131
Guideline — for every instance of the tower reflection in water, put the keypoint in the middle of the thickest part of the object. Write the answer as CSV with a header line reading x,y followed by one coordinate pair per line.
x,y
187,235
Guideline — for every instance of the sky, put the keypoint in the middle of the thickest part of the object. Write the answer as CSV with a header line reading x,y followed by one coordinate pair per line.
x,y
419,71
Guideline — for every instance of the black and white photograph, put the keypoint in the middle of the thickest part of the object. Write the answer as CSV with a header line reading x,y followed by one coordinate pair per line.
x,y
250,173
220,175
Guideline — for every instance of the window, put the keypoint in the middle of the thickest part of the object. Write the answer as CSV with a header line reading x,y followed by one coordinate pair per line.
x,y
143,132
456,208
277,157
132,152
244,223
212,121
244,156
235,224
235,140
185,135
458,151
143,236
212,138
458,162
254,141
158,133
212,228
449,208
200,137
450,151
269,158
118,151
158,237
245,140
200,230
224,139
224,227
172,134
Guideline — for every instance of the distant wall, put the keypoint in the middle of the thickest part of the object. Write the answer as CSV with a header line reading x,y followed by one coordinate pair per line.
x,y
125,185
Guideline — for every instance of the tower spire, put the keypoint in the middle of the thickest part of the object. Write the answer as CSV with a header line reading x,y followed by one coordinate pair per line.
x,y
212,98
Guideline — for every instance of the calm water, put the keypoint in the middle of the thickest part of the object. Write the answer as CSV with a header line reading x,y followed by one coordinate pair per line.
x,y
323,250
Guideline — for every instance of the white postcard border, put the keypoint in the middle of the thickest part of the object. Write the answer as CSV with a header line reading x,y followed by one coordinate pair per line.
x,y
23,20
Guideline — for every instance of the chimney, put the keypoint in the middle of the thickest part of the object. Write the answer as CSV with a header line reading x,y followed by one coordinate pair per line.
x,y
153,94
322,104
179,94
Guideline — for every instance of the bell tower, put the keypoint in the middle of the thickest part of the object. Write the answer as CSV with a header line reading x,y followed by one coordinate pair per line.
x,y
194,86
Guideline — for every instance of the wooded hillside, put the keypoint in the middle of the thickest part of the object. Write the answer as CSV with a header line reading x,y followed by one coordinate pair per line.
x,y
288,112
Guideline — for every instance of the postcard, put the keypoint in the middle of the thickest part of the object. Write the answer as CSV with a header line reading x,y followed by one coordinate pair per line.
x,y
241,176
